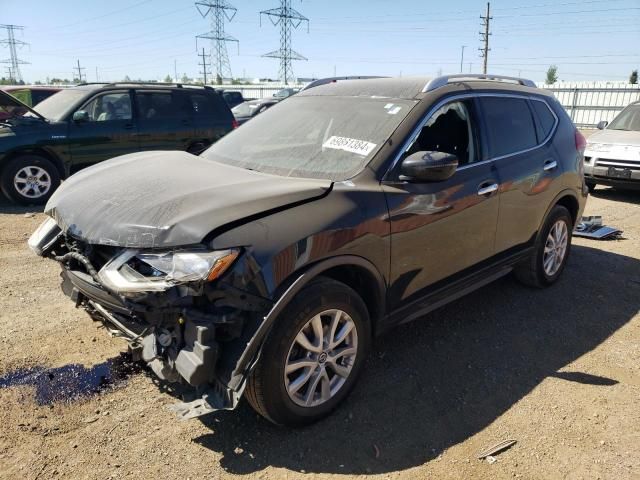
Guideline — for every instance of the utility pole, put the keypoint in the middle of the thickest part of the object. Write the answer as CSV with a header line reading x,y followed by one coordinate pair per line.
x,y
462,58
220,11
287,17
97,77
79,70
12,43
204,65
484,36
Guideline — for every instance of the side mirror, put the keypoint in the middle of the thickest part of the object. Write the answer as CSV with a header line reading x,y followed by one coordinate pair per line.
x,y
428,167
80,116
602,124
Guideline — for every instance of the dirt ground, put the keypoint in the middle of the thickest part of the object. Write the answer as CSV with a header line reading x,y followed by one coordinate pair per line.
x,y
557,370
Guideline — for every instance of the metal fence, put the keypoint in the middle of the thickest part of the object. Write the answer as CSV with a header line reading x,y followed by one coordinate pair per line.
x,y
589,104
257,91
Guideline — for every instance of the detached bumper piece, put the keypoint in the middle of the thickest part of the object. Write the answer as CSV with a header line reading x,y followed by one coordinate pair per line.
x,y
592,227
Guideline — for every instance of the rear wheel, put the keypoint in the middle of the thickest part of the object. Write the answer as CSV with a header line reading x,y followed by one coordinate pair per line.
x,y
30,179
313,356
546,263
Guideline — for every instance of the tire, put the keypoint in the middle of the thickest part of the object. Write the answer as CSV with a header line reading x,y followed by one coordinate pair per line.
x,y
267,390
532,272
22,170
591,186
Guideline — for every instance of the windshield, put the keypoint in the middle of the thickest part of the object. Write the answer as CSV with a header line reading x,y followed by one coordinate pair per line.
x,y
629,119
313,136
57,105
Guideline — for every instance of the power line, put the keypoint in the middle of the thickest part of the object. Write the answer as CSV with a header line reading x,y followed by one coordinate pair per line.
x,y
484,36
287,17
12,43
219,10
204,65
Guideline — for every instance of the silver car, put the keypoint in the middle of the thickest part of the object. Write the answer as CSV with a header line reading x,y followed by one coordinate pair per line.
x,y
612,156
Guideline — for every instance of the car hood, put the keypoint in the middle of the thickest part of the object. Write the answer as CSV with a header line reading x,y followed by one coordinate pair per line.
x,y
166,199
616,137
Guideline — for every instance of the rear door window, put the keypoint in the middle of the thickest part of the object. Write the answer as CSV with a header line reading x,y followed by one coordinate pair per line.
x,y
509,125
160,106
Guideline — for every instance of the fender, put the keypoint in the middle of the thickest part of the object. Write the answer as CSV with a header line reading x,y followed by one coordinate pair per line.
x,y
252,352
564,193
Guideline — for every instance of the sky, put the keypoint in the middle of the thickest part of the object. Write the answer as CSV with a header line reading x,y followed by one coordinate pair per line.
x,y
588,40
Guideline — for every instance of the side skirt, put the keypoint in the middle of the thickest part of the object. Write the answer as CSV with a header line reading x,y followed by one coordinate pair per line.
x,y
452,289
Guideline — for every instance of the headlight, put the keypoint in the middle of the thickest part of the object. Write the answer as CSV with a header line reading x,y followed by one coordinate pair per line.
x,y
44,236
598,147
136,271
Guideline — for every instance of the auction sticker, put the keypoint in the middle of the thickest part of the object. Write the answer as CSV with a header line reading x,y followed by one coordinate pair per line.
x,y
352,145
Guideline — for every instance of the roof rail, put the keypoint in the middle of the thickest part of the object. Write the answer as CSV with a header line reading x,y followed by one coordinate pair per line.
x,y
162,84
324,81
444,80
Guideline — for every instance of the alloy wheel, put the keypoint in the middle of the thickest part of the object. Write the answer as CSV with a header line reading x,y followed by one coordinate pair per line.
x,y
321,358
555,248
32,181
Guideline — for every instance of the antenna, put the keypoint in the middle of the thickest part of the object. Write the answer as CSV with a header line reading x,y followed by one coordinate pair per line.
x,y
287,17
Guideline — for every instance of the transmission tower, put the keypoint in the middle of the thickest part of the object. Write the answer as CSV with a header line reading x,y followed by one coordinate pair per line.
x,y
286,17
204,65
11,41
484,36
219,10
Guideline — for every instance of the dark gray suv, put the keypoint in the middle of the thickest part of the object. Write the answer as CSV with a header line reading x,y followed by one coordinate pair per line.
x,y
267,264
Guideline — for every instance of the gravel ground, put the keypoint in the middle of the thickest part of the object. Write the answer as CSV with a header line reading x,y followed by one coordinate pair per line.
x,y
557,370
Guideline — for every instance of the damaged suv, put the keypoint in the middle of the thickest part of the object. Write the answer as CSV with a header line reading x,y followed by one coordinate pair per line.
x,y
267,264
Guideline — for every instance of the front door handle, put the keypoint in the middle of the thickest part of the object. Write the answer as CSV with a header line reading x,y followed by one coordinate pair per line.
x,y
487,189
549,165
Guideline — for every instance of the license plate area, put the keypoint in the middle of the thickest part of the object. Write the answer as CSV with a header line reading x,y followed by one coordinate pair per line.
x,y
619,172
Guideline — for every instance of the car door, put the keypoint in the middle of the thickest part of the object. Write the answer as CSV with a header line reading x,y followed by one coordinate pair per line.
x,y
107,129
165,122
527,164
439,229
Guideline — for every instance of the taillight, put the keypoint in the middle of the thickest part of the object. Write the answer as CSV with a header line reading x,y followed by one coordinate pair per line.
x,y
234,123
581,142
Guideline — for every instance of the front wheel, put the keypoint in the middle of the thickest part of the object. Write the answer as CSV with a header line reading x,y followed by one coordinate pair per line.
x,y
313,355
30,179
551,251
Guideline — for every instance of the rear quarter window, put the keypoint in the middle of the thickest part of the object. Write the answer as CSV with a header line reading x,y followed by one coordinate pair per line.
x,y
546,120
509,125
209,107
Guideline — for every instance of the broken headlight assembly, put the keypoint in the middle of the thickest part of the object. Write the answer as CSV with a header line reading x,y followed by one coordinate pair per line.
x,y
135,271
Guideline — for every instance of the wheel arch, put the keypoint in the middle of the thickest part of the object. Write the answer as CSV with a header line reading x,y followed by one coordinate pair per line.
x,y
567,199
356,272
36,151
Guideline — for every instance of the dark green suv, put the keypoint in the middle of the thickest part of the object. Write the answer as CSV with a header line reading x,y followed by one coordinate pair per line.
x,y
83,125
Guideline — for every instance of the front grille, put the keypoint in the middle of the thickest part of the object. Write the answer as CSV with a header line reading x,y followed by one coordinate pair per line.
x,y
609,162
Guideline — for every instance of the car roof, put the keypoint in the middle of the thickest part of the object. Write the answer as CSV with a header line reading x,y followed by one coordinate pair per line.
x,y
415,87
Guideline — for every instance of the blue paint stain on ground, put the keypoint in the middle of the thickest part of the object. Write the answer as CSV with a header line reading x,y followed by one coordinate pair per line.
x,y
72,382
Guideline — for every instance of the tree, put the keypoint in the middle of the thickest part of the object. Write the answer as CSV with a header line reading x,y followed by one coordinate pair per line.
x,y
218,79
552,75
633,78
168,79
126,78
184,78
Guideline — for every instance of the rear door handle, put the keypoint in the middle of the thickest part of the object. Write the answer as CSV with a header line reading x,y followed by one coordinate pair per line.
x,y
487,189
549,165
